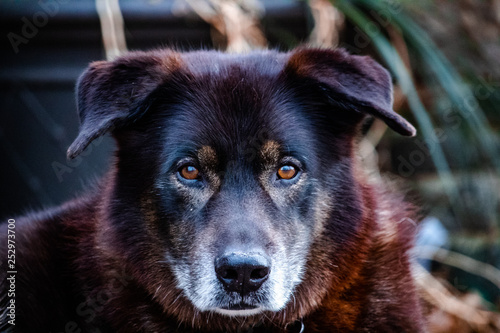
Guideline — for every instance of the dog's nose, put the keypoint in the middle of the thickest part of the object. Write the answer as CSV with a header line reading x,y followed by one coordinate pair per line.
x,y
242,272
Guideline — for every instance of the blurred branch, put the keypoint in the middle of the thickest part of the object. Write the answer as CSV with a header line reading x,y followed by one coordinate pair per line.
x,y
328,21
112,29
461,261
438,295
237,21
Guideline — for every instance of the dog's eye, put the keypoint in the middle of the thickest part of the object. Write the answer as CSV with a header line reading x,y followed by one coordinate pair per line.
x,y
189,172
287,171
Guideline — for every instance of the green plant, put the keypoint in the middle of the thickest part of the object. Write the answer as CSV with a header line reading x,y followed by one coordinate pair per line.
x,y
457,91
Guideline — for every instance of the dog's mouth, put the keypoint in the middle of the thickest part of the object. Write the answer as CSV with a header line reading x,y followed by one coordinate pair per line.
x,y
240,306
240,309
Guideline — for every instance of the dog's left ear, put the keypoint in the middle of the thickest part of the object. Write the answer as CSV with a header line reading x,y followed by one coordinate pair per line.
x,y
362,83
111,94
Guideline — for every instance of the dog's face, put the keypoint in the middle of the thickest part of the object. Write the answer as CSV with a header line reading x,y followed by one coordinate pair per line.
x,y
234,185
234,193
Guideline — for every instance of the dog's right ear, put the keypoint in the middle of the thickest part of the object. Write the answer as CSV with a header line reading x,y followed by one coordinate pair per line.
x,y
109,94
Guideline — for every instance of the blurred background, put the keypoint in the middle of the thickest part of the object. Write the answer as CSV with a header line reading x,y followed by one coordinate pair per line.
x,y
444,57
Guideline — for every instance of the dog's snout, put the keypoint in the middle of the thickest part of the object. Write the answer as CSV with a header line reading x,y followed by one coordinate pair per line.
x,y
241,272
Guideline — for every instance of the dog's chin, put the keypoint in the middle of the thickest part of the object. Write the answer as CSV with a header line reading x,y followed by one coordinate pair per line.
x,y
239,310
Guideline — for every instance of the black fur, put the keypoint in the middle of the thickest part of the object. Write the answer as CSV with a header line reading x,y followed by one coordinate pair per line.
x,y
137,253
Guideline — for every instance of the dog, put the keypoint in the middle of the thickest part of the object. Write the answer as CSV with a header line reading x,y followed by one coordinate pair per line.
x,y
235,203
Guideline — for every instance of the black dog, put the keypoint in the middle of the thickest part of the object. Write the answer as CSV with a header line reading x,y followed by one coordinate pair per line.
x,y
235,202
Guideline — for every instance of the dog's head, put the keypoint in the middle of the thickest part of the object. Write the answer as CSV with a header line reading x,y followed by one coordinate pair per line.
x,y
234,191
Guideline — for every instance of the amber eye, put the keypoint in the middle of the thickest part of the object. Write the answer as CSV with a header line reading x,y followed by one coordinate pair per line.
x,y
189,172
287,172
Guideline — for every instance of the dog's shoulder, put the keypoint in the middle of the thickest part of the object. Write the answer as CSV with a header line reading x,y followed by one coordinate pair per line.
x,y
47,246
55,228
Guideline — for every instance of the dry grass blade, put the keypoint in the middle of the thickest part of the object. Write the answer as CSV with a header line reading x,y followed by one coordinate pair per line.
x,y
112,29
328,22
439,296
461,261
237,22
